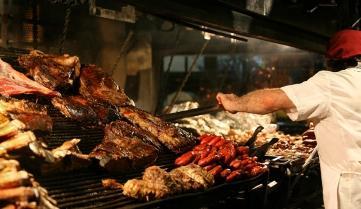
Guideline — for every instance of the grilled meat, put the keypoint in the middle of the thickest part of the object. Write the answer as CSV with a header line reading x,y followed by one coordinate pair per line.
x,y
35,121
196,173
34,116
16,142
11,128
156,174
97,85
112,184
173,138
8,165
12,179
122,154
75,107
121,128
157,183
52,71
19,193
15,83
145,190
15,106
85,111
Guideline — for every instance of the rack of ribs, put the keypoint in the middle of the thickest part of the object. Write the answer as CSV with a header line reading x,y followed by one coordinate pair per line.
x,y
123,154
174,138
95,84
121,128
32,115
52,71
85,111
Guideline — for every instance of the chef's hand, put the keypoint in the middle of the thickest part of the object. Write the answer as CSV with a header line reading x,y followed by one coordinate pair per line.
x,y
228,101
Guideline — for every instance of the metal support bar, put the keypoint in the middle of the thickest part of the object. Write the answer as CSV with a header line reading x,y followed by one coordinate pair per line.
x,y
219,18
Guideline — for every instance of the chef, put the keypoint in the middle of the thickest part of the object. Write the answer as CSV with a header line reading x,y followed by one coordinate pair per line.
x,y
333,101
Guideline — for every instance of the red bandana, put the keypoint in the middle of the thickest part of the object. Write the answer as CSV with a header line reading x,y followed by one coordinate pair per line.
x,y
344,44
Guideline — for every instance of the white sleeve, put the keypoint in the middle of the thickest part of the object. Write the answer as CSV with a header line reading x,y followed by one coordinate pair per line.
x,y
311,98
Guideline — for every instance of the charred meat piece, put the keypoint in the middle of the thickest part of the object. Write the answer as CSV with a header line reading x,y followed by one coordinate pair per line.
x,y
11,128
157,183
64,158
156,174
112,184
8,165
175,139
13,179
121,155
85,111
121,128
34,116
145,190
16,142
96,84
75,107
13,82
16,106
192,177
35,121
52,71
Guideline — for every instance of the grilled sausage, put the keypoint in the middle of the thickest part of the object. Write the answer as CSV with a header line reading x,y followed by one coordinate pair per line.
x,y
216,170
233,176
210,167
185,159
211,157
225,173
214,140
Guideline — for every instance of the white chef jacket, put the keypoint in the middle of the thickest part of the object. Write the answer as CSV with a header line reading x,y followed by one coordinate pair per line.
x,y
333,101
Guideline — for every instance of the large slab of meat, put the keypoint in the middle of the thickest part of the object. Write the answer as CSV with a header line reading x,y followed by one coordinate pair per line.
x,y
97,85
174,138
85,111
13,82
123,154
32,115
120,128
52,71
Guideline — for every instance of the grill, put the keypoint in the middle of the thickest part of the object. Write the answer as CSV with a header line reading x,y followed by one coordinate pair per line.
x,y
83,188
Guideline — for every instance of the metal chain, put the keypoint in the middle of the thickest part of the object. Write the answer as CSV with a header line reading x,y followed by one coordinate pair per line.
x,y
174,99
123,48
65,28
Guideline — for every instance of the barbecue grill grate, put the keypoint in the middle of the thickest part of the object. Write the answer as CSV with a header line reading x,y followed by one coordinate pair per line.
x,y
83,188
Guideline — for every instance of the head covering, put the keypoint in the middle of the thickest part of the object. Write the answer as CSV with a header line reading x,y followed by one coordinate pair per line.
x,y
344,44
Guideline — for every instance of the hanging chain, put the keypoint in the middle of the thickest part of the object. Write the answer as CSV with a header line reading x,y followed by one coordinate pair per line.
x,y
123,49
65,28
174,99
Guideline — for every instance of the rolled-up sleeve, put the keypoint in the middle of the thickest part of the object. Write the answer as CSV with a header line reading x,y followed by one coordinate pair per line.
x,y
311,98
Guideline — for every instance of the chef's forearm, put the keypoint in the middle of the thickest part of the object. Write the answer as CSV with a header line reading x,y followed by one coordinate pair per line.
x,y
264,101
